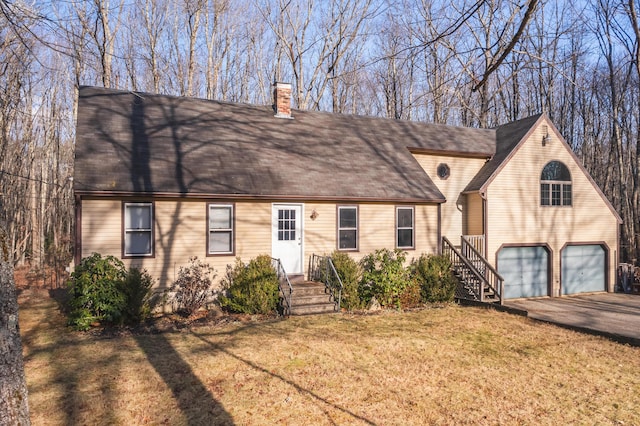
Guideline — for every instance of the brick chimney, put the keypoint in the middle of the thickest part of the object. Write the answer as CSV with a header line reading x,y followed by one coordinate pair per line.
x,y
282,99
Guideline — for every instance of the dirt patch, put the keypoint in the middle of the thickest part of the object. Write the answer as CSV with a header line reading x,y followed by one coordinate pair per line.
x,y
213,318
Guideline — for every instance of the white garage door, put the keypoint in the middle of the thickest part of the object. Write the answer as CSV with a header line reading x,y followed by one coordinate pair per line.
x,y
525,271
583,269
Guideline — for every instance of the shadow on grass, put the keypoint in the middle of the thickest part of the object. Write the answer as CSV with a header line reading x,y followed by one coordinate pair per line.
x,y
194,399
285,380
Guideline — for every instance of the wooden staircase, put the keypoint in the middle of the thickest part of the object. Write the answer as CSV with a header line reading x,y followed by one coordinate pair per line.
x,y
469,283
478,281
309,297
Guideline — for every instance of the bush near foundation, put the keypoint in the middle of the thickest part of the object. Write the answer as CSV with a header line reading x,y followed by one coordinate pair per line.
x,y
101,290
251,288
384,277
192,288
349,272
137,289
435,277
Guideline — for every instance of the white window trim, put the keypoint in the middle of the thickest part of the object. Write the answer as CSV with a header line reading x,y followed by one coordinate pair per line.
x,y
412,227
231,229
348,229
563,184
130,230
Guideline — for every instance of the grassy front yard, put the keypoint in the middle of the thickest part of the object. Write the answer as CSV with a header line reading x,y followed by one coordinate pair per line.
x,y
448,365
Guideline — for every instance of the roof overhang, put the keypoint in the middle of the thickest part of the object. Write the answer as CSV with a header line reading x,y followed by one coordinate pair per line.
x,y
447,153
247,197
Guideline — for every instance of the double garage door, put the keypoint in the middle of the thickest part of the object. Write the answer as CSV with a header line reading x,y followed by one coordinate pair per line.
x,y
526,270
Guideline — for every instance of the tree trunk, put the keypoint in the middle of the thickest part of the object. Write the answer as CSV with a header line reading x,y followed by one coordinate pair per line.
x,y
14,407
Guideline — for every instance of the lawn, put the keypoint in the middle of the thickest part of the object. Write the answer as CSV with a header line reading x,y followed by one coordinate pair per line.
x,y
439,365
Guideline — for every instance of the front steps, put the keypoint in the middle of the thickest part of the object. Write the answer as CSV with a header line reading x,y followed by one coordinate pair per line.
x,y
310,297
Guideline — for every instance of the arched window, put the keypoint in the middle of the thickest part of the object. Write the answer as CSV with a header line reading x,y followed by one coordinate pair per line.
x,y
555,185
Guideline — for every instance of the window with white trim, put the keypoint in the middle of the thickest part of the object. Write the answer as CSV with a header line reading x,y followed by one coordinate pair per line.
x,y
405,227
138,229
347,228
220,229
555,185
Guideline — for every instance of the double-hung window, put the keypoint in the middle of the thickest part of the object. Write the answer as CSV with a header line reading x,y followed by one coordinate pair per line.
x,y
347,228
138,230
220,229
555,185
405,228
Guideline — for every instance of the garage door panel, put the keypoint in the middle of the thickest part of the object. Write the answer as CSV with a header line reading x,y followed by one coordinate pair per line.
x,y
525,271
583,269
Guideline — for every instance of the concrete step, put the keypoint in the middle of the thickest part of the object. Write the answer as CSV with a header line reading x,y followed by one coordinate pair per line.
x,y
318,308
296,279
311,299
308,288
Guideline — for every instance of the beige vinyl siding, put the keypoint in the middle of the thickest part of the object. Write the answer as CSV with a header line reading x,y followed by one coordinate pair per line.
x,y
101,227
462,171
253,229
320,234
473,213
515,215
180,232
376,228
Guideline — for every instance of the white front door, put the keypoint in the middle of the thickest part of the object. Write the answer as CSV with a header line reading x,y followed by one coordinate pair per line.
x,y
286,231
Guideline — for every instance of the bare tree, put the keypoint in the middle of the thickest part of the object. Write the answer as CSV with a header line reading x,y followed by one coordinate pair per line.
x,y
301,34
96,20
14,405
153,15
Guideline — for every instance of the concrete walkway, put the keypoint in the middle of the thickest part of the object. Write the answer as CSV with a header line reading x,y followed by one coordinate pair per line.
x,y
613,315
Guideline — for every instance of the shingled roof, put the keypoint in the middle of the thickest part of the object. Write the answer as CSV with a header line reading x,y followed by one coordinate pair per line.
x,y
508,137
141,144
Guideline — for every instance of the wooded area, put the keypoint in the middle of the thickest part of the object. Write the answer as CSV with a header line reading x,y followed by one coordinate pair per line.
x,y
470,63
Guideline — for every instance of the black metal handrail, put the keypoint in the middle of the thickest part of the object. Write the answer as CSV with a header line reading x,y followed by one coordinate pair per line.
x,y
493,278
286,289
321,269
474,280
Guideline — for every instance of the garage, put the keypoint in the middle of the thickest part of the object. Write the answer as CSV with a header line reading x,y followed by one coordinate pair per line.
x,y
583,269
525,271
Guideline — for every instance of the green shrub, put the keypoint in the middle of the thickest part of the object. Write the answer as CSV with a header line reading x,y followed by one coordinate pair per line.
x,y
384,277
137,289
94,292
193,286
251,288
436,279
349,272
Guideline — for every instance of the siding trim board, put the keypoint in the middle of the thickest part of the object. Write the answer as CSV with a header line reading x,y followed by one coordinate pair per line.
x,y
446,153
439,229
254,197
77,255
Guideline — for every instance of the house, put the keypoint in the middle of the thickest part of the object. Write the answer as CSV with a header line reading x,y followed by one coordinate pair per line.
x,y
159,179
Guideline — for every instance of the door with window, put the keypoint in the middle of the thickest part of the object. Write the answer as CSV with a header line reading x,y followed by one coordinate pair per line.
x,y
286,225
